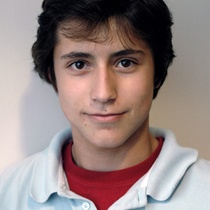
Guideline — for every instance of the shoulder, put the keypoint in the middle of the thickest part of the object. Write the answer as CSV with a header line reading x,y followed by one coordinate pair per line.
x,y
196,182
202,164
200,171
18,172
15,182
25,167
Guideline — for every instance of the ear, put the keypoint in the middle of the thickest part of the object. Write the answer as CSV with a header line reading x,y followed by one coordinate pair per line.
x,y
156,86
157,83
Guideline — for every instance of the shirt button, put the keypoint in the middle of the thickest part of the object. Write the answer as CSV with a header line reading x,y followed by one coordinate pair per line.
x,y
85,206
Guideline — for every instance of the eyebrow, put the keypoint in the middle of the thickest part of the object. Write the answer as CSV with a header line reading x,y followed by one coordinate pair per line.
x,y
125,52
76,55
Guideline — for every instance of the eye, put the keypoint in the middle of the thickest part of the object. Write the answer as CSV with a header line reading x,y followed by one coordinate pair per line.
x,y
78,65
125,63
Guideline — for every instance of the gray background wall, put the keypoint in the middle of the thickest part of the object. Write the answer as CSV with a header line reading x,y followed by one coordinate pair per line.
x,y
29,109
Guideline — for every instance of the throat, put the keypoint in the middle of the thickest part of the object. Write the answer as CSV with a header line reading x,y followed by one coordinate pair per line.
x,y
112,159
104,187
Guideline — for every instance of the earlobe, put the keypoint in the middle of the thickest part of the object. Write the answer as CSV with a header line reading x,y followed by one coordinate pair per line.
x,y
157,86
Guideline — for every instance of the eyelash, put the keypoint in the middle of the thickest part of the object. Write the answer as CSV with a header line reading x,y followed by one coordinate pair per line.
x,y
130,62
85,65
73,66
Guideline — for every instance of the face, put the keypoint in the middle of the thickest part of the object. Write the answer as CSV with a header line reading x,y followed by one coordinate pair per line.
x,y
105,89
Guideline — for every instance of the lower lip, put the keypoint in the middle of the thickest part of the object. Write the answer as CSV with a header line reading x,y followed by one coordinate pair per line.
x,y
105,118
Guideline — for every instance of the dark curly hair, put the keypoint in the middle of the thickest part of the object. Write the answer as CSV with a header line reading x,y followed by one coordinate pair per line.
x,y
149,20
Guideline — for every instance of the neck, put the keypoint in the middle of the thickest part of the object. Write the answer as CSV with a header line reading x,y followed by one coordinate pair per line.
x,y
134,151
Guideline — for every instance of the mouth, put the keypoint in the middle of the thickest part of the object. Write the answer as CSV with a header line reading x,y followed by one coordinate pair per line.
x,y
105,118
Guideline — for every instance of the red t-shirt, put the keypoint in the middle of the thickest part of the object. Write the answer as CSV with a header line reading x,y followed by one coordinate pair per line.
x,y
104,188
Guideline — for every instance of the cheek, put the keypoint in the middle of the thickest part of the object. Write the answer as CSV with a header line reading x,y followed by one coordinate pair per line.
x,y
139,90
71,97
66,94
141,99
65,103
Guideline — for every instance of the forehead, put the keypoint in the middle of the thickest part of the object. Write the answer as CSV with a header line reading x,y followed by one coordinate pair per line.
x,y
99,47
104,33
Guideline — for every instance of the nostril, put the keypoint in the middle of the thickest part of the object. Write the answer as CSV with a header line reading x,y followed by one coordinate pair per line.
x,y
103,92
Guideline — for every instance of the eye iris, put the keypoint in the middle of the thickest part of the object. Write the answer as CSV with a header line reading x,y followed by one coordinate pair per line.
x,y
79,65
126,63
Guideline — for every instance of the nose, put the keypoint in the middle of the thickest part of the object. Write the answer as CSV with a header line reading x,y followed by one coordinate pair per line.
x,y
104,86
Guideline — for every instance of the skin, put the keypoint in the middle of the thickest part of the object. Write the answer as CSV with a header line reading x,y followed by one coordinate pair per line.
x,y
106,90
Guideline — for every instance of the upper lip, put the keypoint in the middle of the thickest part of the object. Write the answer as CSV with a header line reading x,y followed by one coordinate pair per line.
x,y
105,114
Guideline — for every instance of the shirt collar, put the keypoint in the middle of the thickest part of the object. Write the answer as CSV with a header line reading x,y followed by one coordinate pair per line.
x,y
170,166
165,175
45,176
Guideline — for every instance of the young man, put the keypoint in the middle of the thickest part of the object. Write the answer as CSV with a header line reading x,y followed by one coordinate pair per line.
x,y
107,61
